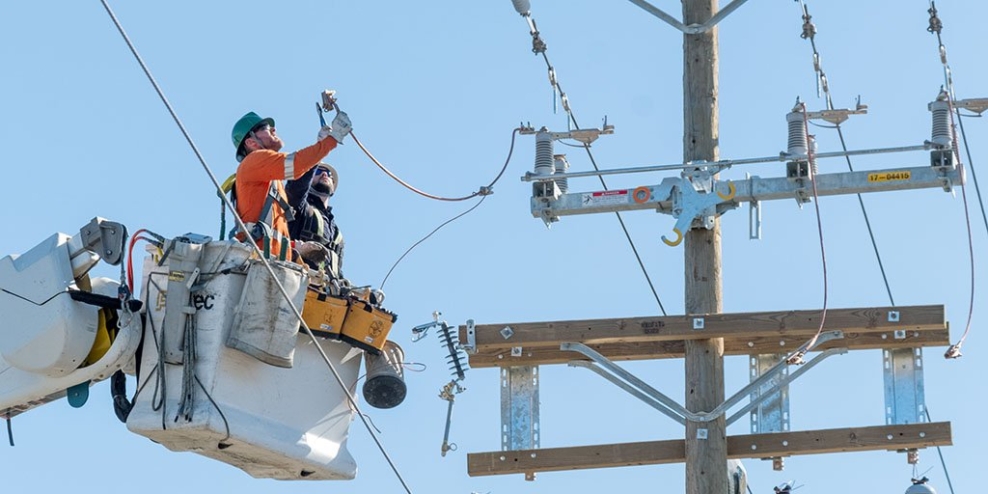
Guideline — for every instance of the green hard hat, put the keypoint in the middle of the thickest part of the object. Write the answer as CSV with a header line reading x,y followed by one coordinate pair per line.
x,y
243,127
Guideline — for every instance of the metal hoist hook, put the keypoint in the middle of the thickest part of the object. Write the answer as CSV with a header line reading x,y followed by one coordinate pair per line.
x,y
673,243
732,191
695,206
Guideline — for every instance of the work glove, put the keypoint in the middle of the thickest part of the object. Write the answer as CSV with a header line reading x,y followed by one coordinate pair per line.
x,y
313,252
338,130
325,132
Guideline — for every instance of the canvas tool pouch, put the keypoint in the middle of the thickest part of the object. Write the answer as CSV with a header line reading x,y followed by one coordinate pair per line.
x,y
264,324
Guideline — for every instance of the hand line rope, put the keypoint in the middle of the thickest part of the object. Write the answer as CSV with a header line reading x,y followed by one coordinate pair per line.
x,y
243,228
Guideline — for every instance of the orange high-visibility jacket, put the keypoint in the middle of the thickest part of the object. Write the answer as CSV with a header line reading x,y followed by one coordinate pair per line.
x,y
263,168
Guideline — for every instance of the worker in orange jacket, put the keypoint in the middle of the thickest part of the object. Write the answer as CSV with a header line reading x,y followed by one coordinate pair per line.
x,y
261,200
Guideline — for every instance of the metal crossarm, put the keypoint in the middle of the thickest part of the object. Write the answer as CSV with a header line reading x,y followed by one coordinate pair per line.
x,y
665,196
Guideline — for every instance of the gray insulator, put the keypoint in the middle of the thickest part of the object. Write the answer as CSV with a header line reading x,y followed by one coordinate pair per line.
x,y
942,135
523,7
812,159
561,166
797,133
543,154
385,384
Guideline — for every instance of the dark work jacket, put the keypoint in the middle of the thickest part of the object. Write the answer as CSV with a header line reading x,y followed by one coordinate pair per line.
x,y
314,222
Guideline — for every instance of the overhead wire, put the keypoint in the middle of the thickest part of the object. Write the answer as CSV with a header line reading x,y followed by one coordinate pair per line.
x,y
539,47
809,33
797,356
253,246
970,161
943,463
507,160
483,191
423,239
935,27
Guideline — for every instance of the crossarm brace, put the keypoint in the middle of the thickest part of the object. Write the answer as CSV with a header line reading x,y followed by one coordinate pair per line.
x,y
692,28
612,372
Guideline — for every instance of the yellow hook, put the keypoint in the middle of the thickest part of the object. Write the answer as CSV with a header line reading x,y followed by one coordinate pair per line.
x,y
673,243
733,190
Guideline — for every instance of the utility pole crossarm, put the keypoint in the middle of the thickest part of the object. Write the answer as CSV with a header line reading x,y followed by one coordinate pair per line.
x,y
773,444
740,326
649,350
662,197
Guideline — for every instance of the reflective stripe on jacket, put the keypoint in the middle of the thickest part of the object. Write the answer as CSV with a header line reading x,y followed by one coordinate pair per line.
x,y
260,176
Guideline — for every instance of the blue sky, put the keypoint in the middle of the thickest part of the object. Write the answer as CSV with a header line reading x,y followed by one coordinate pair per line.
x,y
434,90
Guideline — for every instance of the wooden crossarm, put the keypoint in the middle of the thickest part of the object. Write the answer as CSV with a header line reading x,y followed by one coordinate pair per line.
x,y
775,444
782,324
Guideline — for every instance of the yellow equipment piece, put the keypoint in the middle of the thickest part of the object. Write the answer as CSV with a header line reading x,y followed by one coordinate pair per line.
x,y
367,326
324,314
104,338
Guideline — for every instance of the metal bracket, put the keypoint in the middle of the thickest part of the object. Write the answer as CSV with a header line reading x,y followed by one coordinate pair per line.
x,y
694,202
904,390
471,345
106,238
692,28
754,215
519,408
585,136
772,414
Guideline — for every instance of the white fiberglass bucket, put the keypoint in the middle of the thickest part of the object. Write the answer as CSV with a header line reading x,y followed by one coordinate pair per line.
x,y
271,422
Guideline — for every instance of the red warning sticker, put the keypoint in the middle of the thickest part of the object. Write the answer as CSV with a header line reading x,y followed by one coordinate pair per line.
x,y
605,197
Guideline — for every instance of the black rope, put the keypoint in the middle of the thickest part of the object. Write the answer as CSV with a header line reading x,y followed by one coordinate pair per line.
x,y
970,164
809,33
572,118
943,463
423,239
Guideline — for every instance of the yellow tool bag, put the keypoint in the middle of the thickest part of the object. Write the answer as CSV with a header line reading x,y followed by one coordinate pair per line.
x,y
324,314
366,326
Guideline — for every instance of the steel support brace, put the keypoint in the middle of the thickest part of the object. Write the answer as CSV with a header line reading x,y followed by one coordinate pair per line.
x,y
519,408
692,28
652,402
904,392
772,414
635,386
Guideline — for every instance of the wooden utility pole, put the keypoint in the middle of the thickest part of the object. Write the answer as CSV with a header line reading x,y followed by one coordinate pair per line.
x,y
704,335
706,442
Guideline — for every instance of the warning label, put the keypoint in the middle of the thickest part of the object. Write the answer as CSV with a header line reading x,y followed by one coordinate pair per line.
x,y
889,176
605,197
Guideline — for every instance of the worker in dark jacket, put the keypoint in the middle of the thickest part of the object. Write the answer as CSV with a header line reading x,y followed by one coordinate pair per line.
x,y
309,196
